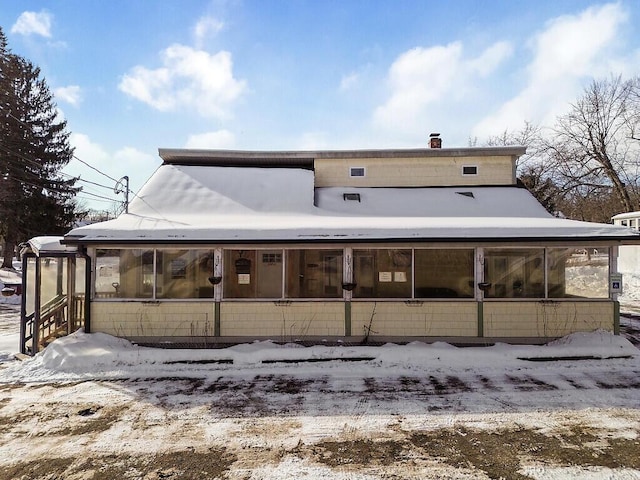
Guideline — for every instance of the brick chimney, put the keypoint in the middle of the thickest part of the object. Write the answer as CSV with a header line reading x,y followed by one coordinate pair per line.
x,y
435,141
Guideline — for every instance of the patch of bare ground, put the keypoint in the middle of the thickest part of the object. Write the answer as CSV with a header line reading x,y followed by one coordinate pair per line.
x,y
88,419
91,420
499,454
358,452
183,465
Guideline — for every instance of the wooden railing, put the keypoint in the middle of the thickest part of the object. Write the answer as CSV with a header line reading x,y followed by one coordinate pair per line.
x,y
54,322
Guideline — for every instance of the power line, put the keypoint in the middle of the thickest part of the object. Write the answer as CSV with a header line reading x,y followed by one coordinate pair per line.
x,y
94,199
80,179
36,164
74,156
99,196
94,168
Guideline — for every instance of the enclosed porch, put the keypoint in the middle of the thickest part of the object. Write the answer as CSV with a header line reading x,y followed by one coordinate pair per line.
x,y
55,281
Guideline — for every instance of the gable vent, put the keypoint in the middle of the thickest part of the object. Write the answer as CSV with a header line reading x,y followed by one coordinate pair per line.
x,y
466,194
469,170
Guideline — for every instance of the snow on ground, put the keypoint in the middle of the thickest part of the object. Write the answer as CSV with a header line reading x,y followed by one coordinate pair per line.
x,y
96,356
11,277
9,331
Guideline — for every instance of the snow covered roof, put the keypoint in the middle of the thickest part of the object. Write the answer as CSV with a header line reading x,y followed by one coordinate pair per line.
x,y
625,215
231,204
431,202
49,245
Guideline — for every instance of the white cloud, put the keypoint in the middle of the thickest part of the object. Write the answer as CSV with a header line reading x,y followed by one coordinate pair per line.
x,y
313,141
221,139
349,81
71,94
188,79
491,58
570,49
206,26
33,23
137,165
423,77
88,151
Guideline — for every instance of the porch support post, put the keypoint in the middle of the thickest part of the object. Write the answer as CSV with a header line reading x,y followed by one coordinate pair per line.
x,y
347,319
479,278
71,291
23,301
36,309
613,268
88,290
216,320
347,277
218,270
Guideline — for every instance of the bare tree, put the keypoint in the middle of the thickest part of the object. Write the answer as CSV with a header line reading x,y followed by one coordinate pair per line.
x,y
632,115
593,148
533,171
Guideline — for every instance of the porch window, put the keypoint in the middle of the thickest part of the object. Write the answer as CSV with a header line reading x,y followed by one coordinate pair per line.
x,y
446,273
184,273
53,281
253,274
382,273
578,272
30,294
124,273
314,274
514,273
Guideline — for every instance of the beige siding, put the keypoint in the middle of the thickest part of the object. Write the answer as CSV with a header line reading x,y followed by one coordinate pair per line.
x,y
422,319
137,319
548,319
414,172
287,320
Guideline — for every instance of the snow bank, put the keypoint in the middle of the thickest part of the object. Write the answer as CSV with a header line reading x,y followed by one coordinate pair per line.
x,y
83,356
12,277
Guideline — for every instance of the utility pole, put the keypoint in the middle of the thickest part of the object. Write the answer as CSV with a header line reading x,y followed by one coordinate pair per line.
x,y
123,188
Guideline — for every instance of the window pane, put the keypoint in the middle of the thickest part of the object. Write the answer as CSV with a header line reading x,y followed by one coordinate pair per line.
x,y
53,280
30,294
314,274
444,273
579,272
125,273
184,273
253,273
514,273
383,273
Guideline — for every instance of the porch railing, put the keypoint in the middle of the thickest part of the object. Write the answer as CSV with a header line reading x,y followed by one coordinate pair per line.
x,y
54,322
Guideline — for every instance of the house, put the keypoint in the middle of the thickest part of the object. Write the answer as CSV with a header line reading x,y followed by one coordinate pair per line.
x,y
221,247
628,255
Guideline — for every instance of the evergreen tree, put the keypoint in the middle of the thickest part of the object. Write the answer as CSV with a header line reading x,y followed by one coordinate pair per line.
x,y
34,147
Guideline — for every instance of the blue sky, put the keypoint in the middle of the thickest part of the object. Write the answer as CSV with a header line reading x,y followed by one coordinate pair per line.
x,y
131,76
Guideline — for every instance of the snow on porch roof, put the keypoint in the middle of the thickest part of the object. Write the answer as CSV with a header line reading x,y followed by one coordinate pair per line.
x,y
209,204
50,245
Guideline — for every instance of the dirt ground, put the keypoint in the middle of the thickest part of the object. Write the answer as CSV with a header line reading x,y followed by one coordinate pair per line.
x,y
178,428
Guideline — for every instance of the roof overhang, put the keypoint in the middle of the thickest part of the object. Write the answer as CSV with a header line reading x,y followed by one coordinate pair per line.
x,y
305,159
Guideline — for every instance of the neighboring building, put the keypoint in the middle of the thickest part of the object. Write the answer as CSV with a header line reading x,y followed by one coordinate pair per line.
x,y
628,256
222,247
